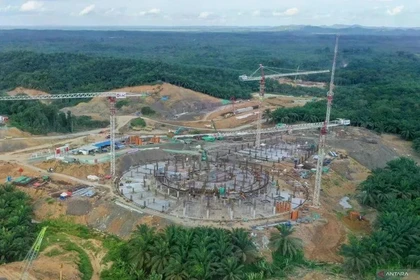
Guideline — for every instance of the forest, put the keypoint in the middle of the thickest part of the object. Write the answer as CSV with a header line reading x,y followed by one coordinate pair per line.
x,y
40,118
377,84
17,231
395,242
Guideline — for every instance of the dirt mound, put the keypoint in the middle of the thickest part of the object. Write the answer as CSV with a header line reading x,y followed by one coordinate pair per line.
x,y
30,92
45,267
322,239
78,206
362,226
165,99
76,170
13,132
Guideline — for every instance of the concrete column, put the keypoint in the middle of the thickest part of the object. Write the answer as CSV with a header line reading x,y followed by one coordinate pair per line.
x,y
208,213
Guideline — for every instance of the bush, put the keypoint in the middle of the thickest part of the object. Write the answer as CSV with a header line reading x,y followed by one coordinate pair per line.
x,y
147,111
121,103
138,122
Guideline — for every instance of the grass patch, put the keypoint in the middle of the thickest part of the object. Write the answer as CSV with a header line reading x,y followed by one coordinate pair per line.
x,y
54,252
84,265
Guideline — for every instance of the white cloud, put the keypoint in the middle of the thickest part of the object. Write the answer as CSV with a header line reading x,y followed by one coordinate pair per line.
x,y
288,12
151,12
87,10
395,11
256,13
204,15
32,6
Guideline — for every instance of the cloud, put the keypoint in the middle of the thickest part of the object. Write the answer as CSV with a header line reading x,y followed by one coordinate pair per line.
x,y
395,11
151,12
87,10
204,15
32,6
288,12
256,13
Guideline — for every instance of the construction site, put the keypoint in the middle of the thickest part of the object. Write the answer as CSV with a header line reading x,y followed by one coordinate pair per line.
x,y
206,162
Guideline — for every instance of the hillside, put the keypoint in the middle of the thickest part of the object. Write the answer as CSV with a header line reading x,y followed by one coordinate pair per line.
x,y
179,99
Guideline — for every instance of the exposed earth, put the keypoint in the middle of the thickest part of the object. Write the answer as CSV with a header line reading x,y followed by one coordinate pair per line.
x,y
111,214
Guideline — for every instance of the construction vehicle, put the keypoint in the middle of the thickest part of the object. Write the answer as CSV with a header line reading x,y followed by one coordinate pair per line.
x,y
218,135
209,138
180,130
280,125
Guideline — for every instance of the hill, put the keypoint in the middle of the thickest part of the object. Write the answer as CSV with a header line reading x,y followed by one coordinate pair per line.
x,y
164,98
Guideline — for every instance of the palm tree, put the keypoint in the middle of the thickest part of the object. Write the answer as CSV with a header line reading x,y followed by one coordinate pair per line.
x,y
266,269
161,255
230,269
255,276
357,260
244,248
284,243
176,270
155,276
140,247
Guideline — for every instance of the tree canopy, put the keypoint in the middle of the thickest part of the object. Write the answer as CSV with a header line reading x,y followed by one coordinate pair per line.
x,y
17,233
395,243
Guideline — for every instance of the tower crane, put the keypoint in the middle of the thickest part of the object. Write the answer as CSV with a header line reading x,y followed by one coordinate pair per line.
x,y
111,96
245,78
323,133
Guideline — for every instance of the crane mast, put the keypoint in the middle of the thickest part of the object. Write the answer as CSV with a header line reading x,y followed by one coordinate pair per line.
x,y
323,133
260,111
32,254
112,97
262,78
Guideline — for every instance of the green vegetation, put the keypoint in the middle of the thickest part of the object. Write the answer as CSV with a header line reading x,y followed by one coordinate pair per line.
x,y
39,118
17,233
121,103
395,243
379,91
200,253
138,122
377,84
147,111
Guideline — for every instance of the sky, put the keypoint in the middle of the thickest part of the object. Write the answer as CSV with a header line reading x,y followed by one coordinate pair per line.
x,y
390,13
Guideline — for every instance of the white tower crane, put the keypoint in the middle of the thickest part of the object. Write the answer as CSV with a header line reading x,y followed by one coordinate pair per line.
x,y
262,78
112,96
323,133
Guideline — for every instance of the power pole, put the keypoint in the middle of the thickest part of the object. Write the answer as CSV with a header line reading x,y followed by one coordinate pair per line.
x,y
323,133
260,111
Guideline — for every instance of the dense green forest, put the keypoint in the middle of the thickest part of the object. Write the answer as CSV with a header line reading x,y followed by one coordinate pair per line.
x,y
39,118
179,253
395,242
17,233
377,75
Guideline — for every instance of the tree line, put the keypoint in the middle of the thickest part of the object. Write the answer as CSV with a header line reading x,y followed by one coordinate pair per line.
x,y
395,242
178,253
